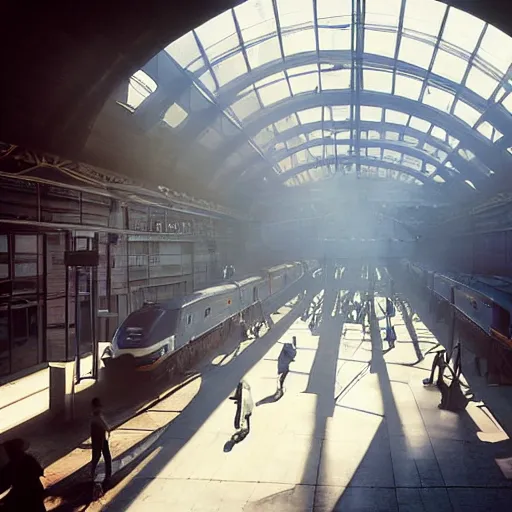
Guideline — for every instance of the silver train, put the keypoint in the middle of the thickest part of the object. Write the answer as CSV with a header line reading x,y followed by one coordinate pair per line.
x,y
484,300
151,334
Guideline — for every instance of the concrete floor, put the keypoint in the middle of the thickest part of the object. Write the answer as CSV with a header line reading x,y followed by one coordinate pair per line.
x,y
355,430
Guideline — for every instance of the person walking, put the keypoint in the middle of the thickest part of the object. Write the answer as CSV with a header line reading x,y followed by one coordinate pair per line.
x,y
244,407
99,437
287,355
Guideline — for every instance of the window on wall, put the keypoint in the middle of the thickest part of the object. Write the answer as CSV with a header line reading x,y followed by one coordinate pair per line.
x,y
207,312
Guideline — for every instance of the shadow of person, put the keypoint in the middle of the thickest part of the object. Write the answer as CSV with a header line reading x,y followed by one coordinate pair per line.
x,y
270,399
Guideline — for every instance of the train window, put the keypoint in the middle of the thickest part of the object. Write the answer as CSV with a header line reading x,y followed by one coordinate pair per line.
x,y
207,312
255,294
189,319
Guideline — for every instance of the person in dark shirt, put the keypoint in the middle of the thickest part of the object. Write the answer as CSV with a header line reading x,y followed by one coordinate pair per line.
x,y
99,440
23,474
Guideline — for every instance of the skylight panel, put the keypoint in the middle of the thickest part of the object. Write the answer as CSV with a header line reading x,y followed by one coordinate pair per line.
x,y
371,113
256,19
419,124
264,137
304,83
439,133
373,135
326,9
437,98
507,103
466,154
299,41
140,87
411,140
285,164
439,179
175,115
467,113
264,52
334,38
294,12
274,93
449,66
486,129
462,29
452,141
430,168
207,80
379,13
310,115
303,70
424,17
286,123
296,141
392,156
339,79
496,48
481,83
315,134
415,52
392,135
230,68
380,43
246,106
377,80
184,50
412,162
218,36
340,112
393,116
374,152
408,87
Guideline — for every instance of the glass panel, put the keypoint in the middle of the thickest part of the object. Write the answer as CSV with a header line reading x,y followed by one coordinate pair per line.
x,y
481,82
414,163
449,66
507,103
246,106
271,94
371,113
263,137
339,79
340,112
467,113
294,12
392,156
439,133
303,70
438,179
184,50
374,152
218,36
496,48
140,87
377,80
316,134
334,38
419,124
261,53
4,257
207,80
299,41
408,87
485,129
175,115
256,19
295,142
438,98
5,367
374,134
393,116
462,29
328,9
382,13
24,336
392,135
286,123
425,17
311,115
304,83
410,140
415,52
380,43
230,68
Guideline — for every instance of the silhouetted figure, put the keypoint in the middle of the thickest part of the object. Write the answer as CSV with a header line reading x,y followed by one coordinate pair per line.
x,y
99,438
287,355
23,474
244,407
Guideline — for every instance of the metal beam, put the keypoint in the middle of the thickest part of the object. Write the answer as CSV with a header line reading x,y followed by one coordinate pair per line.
x,y
479,145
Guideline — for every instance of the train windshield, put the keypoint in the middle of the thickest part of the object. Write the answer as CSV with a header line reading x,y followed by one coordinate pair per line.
x,y
142,326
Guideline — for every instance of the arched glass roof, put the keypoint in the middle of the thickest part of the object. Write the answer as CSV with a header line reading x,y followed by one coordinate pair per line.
x,y
293,91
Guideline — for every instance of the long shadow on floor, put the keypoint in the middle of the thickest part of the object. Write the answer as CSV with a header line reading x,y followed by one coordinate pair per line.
x,y
196,413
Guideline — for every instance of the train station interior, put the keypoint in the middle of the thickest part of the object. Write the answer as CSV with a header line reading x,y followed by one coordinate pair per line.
x,y
265,247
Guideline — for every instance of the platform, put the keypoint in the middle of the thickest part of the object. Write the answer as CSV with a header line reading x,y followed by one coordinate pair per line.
x,y
355,430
